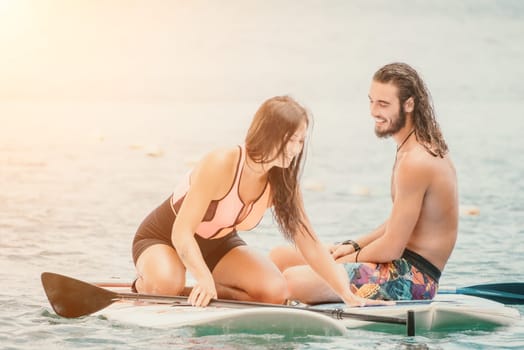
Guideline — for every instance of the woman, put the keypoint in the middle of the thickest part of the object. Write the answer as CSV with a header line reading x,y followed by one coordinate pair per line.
x,y
195,229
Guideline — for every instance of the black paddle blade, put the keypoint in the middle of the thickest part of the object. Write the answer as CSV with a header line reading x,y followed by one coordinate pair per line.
x,y
506,293
71,298
509,287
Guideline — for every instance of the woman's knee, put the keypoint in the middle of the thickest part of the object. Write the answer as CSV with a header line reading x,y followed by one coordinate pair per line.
x,y
160,271
160,284
274,291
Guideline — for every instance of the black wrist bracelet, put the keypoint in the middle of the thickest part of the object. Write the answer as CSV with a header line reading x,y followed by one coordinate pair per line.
x,y
356,256
353,243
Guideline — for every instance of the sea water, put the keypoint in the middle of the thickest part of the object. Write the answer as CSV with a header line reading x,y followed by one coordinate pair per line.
x,y
104,106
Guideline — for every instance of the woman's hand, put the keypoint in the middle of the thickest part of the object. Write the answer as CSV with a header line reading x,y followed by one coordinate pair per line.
x,y
202,293
354,300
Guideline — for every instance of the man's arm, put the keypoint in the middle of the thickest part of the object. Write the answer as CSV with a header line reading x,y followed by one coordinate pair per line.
x,y
412,180
340,250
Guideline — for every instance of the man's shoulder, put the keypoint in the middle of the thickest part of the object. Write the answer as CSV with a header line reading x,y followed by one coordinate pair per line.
x,y
421,166
423,158
417,160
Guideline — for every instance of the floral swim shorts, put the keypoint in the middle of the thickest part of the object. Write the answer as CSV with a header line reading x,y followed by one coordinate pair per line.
x,y
409,278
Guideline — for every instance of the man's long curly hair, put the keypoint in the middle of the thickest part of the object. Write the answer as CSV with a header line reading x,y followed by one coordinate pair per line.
x,y
409,84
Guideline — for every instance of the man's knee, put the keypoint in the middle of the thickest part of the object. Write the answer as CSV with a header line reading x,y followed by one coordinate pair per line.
x,y
277,255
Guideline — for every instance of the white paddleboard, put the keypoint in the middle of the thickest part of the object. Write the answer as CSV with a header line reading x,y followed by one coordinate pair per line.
x,y
445,313
258,320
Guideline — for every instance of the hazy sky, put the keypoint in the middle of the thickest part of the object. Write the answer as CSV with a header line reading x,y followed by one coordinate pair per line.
x,y
164,49
68,48
146,49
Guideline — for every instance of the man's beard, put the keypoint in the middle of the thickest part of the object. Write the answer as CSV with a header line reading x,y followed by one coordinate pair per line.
x,y
398,124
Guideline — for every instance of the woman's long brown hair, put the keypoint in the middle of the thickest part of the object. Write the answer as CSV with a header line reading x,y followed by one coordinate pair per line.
x,y
409,84
275,122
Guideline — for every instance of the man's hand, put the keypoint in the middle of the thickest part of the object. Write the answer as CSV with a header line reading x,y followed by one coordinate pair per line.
x,y
340,250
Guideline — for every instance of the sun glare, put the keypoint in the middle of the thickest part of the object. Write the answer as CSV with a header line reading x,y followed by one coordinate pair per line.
x,y
15,17
5,4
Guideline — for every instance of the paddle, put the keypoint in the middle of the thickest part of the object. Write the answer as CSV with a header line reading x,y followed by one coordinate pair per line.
x,y
506,293
72,298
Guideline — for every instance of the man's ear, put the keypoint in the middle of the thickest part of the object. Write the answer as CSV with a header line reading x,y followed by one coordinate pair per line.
x,y
409,105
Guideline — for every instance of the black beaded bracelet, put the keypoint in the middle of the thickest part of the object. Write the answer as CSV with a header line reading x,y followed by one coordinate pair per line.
x,y
356,256
353,243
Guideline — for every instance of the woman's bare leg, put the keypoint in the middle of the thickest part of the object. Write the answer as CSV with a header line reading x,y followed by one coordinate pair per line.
x,y
245,274
160,271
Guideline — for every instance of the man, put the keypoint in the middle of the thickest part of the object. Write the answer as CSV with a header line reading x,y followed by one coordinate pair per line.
x,y
402,258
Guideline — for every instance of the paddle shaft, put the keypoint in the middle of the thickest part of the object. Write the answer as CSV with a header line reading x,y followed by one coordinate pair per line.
x,y
336,313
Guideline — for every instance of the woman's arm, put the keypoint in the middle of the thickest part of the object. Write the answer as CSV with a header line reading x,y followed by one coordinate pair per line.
x,y
210,180
320,261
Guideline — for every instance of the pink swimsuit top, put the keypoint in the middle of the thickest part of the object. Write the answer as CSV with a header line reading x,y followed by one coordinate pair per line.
x,y
222,215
